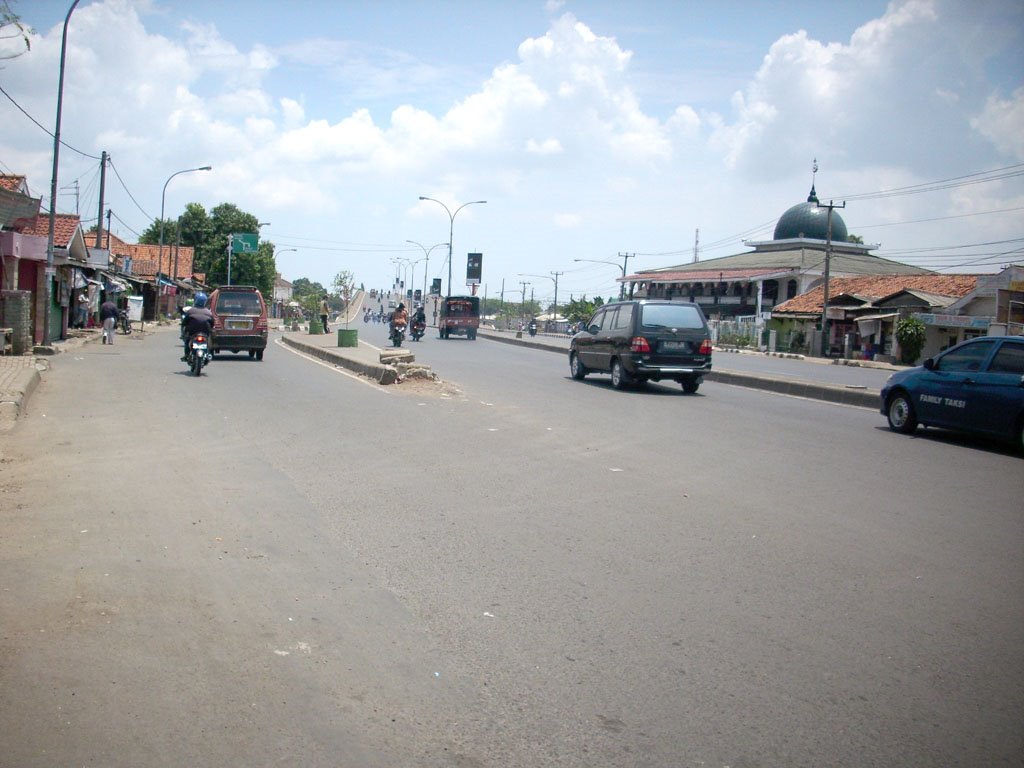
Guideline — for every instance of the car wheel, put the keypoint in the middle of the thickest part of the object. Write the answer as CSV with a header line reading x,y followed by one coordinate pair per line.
x,y
252,354
690,385
900,413
620,379
577,368
259,355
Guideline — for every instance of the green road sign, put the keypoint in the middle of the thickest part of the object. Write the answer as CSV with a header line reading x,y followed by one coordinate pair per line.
x,y
244,242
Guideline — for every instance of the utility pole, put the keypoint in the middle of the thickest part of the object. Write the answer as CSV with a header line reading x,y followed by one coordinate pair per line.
x,y
103,185
828,258
557,275
522,307
696,247
625,261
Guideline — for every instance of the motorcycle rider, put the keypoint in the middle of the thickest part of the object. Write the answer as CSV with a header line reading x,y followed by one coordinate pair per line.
x,y
533,326
196,319
399,319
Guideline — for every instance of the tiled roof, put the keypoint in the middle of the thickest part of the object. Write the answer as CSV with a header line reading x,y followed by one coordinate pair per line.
x,y
876,287
13,183
145,256
64,227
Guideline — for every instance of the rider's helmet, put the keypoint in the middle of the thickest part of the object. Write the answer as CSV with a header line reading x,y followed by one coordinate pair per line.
x,y
200,299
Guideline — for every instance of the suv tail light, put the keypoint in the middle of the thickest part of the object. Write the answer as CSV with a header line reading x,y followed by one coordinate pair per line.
x,y
705,347
261,324
218,323
639,344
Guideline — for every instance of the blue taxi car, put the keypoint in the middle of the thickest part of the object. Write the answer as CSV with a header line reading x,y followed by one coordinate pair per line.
x,y
976,386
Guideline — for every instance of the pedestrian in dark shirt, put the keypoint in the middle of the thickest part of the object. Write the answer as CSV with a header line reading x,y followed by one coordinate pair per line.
x,y
108,316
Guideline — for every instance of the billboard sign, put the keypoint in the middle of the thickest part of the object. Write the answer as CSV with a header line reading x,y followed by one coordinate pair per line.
x,y
474,268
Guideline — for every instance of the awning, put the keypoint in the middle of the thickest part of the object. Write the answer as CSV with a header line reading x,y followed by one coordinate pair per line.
x,y
868,325
874,318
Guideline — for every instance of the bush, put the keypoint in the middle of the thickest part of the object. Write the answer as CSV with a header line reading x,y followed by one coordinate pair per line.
x,y
910,333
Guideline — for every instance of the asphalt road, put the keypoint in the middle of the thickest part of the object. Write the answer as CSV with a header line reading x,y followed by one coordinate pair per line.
x,y
279,563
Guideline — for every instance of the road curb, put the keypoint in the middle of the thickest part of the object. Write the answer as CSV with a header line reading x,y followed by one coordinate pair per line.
x,y
13,400
382,374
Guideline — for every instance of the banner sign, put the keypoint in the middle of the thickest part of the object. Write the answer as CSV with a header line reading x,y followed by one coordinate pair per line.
x,y
474,268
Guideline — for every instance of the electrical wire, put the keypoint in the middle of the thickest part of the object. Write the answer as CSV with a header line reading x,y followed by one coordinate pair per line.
x,y
43,128
127,191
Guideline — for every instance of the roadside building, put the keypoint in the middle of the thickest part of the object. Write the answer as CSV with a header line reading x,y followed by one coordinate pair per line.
x,y
746,287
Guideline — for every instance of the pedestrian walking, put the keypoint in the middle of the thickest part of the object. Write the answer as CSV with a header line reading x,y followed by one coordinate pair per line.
x,y
82,309
108,316
325,310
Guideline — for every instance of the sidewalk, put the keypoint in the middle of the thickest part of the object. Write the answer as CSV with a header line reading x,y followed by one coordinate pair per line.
x,y
20,374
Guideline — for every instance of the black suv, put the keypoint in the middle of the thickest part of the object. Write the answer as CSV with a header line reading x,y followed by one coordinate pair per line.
x,y
638,341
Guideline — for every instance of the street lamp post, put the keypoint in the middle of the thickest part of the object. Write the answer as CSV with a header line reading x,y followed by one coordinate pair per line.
x,y
50,269
451,231
276,253
622,267
426,257
160,257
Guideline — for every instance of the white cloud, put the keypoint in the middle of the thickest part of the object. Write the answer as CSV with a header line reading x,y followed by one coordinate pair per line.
x,y
556,138
545,147
1002,123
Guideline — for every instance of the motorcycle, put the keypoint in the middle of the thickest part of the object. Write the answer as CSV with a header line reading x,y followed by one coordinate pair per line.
x,y
533,329
397,335
123,322
198,353
418,329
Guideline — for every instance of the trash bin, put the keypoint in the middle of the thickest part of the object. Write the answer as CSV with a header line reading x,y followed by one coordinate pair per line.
x,y
348,337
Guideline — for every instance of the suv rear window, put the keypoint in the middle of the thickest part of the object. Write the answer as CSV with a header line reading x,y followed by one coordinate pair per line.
x,y
670,316
241,303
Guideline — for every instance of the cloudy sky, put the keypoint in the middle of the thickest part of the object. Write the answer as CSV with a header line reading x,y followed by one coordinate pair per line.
x,y
591,128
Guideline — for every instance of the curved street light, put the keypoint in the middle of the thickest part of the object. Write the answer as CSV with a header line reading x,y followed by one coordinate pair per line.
x,y
426,257
554,278
275,255
451,229
160,257
50,269
622,267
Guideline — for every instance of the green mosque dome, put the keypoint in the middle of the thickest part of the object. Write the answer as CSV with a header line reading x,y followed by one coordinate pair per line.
x,y
809,222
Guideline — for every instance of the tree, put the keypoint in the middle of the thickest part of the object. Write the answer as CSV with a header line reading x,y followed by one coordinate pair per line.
x,y
910,333
344,284
855,239
11,28
302,287
257,269
579,310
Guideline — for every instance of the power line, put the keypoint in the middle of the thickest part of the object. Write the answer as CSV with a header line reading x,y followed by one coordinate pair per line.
x,y
127,192
43,128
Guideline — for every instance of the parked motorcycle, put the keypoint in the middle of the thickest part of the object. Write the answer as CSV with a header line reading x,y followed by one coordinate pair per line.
x,y
397,335
418,329
198,354
123,322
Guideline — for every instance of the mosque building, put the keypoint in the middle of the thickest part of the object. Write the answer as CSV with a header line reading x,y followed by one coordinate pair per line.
x,y
790,264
